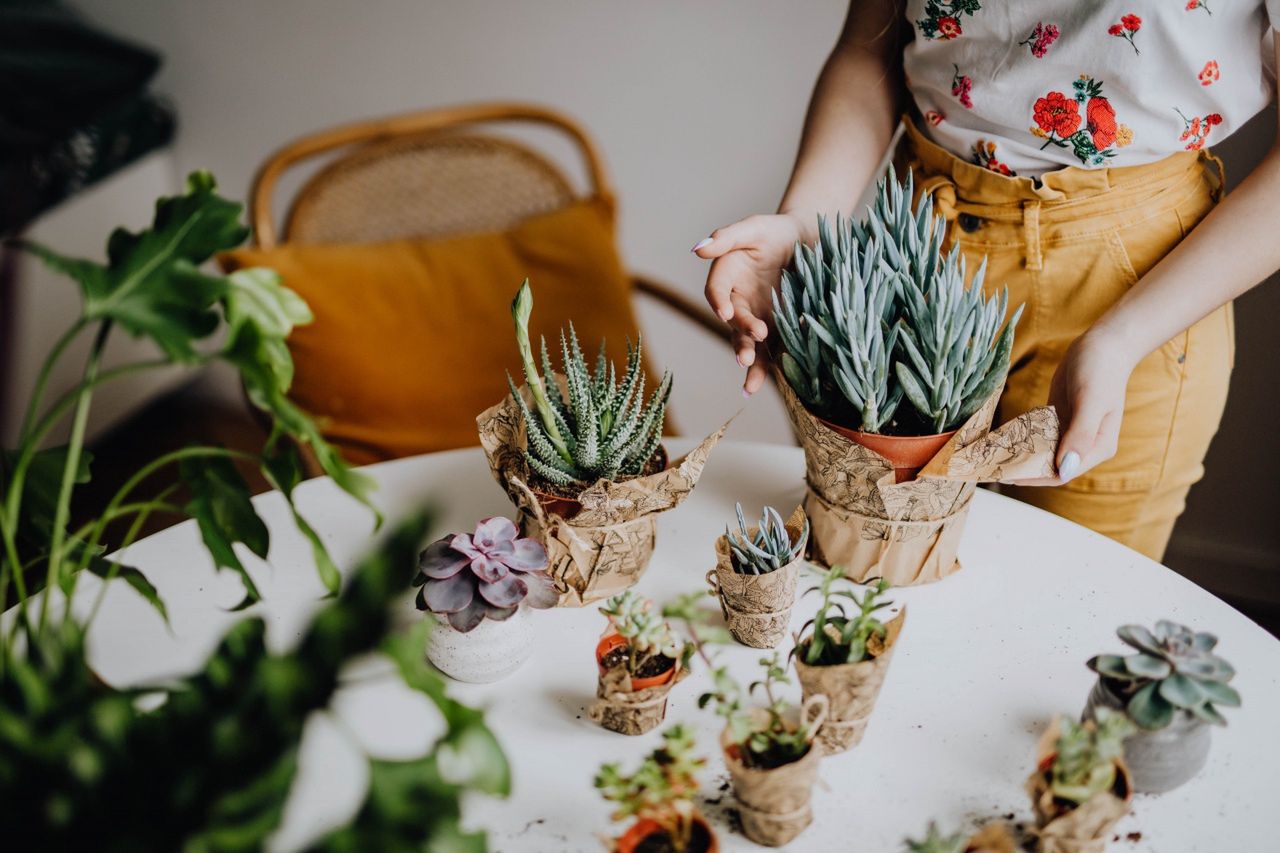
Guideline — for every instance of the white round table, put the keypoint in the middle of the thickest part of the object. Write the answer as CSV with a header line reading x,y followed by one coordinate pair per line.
x,y
986,658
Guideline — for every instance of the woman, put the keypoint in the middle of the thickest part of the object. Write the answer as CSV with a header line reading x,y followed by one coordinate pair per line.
x,y
1067,142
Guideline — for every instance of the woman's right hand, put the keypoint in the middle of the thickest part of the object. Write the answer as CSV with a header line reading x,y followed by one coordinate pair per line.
x,y
747,259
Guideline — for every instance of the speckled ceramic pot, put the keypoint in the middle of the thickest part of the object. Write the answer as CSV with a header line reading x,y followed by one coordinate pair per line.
x,y
1159,760
490,651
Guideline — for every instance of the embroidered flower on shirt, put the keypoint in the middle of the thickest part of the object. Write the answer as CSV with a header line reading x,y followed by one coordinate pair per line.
x,y
1209,74
984,154
1058,122
934,117
962,88
1041,37
942,18
1129,24
1192,5
1195,130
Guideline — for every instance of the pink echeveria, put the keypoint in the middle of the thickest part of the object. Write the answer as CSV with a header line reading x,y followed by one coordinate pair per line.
x,y
467,577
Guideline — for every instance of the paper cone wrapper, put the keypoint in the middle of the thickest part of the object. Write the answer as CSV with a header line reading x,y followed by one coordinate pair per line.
x,y
909,533
1084,829
774,804
851,690
757,608
606,547
629,712
992,838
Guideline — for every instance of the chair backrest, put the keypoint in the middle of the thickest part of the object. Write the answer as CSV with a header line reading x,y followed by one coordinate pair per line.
x,y
427,174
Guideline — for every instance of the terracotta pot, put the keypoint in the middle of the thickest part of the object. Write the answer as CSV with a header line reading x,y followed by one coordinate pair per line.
x,y
613,641
569,507
906,453
644,827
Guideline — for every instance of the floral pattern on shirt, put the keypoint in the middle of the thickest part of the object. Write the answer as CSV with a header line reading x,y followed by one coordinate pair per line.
x,y
1092,136
962,88
1042,36
1192,5
1129,24
1210,73
984,154
942,18
1195,130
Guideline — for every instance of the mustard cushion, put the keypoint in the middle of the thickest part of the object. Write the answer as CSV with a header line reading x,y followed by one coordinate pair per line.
x,y
412,339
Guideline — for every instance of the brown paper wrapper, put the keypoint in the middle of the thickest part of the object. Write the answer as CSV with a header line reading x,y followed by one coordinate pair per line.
x,y
909,533
628,712
992,838
757,608
606,547
851,690
1084,829
774,803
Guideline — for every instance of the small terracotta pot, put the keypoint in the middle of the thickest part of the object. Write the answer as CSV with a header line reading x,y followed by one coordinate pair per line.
x,y
569,507
644,827
906,453
613,641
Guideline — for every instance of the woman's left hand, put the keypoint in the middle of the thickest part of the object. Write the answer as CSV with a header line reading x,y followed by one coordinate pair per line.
x,y
1088,392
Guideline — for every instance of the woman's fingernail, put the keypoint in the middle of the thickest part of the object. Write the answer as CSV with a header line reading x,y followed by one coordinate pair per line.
x,y
746,394
700,244
1069,466
738,359
726,313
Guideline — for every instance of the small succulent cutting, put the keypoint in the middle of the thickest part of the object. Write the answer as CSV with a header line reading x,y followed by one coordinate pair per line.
x,y
769,549
662,789
488,574
774,743
1085,754
603,429
648,634
1173,670
936,842
833,635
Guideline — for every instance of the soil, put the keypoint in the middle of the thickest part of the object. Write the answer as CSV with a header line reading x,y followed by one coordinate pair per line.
x,y
775,757
656,463
660,842
651,667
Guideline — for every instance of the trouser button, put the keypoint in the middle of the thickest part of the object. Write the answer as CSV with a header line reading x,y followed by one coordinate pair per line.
x,y
969,223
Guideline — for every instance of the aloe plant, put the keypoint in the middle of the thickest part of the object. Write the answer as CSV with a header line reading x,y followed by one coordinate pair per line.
x,y
1173,671
603,429
1085,755
834,636
769,549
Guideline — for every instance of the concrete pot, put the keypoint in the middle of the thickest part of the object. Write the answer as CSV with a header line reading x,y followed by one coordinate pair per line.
x,y
490,651
1159,760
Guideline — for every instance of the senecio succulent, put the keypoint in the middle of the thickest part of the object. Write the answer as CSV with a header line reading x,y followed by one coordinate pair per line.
x,y
876,313
647,633
468,577
1174,670
604,429
769,549
1085,754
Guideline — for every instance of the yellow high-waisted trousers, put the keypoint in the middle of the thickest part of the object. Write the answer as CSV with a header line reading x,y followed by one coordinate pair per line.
x,y
1068,246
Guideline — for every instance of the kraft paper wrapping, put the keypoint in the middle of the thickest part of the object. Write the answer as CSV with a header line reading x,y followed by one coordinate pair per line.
x,y
620,709
909,533
606,547
757,608
992,838
1084,829
774,803
851,689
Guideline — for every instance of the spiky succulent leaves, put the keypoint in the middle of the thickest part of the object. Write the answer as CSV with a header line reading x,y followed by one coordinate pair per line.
x,y
936,842
910,242
1174,670
521,309
1085,755
769,549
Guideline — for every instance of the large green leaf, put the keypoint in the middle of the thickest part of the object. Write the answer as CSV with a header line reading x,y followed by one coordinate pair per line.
x,y
282,466
108,568
221,506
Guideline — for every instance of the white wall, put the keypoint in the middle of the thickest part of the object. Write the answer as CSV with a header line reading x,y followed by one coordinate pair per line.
x,y
697,106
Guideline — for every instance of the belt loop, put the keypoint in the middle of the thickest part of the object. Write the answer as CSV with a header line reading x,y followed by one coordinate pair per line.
x,y
1222,173
1031,232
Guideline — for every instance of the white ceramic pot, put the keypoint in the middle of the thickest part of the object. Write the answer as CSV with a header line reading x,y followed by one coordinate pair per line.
x,y
490,651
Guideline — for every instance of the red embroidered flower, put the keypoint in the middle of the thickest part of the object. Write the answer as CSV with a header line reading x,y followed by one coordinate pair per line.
x,y
1196,129
1192,5
1042,36
1131,22
1209,74
961,87
1115,30
934,117
1101,122
1213,119
948,27
1056,113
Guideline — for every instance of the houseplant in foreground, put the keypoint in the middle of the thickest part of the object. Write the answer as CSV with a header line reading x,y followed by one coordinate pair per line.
x,y
639,660
1170,689
845,656
660,795
769,751
992,838
1081,786
755,575
887,359
580,455
479,588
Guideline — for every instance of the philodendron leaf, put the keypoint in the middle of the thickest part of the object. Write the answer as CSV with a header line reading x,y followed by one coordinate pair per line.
x,y
256,297
108,568
40,498
221,507
282,466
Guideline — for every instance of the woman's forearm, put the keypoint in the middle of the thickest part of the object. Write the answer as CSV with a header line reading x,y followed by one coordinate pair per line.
x,y
851,118
1230,251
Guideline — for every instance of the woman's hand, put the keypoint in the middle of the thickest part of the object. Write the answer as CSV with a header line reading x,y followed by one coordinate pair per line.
x,y
747,261
1088,393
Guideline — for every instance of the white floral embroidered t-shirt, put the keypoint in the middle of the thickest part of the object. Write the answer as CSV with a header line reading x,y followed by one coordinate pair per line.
x,y
1025,86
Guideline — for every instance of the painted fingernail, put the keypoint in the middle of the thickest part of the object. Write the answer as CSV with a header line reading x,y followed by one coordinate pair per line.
x,y
700,244
746,394
1069,466
726,313
738,359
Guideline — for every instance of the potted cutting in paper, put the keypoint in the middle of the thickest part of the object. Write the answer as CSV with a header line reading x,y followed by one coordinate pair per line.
x,y
660,795
1171,689
991,838
479,589
755,575
639,660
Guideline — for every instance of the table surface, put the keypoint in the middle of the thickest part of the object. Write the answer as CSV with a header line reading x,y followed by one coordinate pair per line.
x,y
986,658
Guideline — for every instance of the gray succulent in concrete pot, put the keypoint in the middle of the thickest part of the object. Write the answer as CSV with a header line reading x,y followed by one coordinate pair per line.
x,y
1171,689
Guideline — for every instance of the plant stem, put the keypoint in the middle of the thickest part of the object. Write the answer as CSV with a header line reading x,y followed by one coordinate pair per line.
x,y
144,512
46,370
60,406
